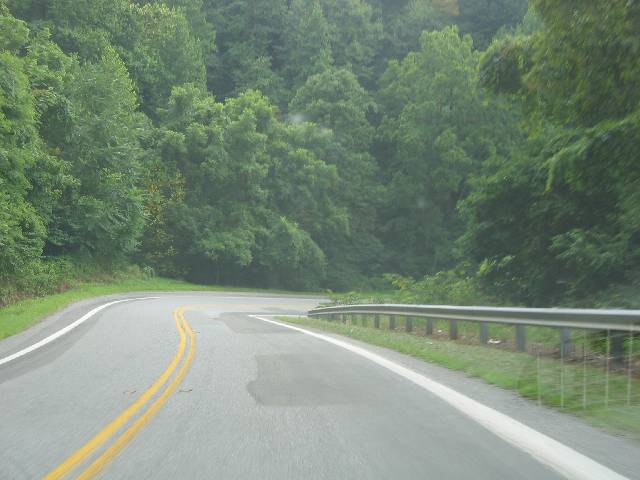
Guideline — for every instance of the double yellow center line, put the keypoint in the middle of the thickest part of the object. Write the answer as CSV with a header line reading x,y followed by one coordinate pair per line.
x,y
110,431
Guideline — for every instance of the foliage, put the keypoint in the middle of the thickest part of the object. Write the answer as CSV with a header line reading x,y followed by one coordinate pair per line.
x,y
102,210
439,128
486,150
249,40
484,18
221,202
22,227
336,102
572,203
154,40
443,288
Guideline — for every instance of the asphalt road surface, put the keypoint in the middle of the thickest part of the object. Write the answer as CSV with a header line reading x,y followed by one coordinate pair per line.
x,y
191,386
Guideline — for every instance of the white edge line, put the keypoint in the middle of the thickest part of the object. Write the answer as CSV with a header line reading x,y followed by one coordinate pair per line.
x,y
563,459
66,329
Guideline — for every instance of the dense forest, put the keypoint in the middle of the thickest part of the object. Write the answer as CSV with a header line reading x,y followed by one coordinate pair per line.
x,y
464,150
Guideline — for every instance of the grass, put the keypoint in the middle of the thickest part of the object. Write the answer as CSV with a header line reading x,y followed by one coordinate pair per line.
x,y
609,400
19,316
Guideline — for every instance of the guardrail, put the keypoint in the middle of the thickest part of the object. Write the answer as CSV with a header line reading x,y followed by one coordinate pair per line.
x,y
617,323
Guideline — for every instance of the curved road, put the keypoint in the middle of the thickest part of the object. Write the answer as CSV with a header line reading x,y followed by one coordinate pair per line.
x,y
193,386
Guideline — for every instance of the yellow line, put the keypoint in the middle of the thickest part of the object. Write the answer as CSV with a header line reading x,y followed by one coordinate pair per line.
x,y
74,459
128,434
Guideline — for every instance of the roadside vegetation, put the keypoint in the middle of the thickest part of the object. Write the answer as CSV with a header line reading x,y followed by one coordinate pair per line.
x,y
607,398
27,311
488,146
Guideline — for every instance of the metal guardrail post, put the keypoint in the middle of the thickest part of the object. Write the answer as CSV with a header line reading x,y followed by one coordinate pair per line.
x,y
392,322
453,329
376,321
617,348
565,342
521,338
344,318
484,332
429,328
408,325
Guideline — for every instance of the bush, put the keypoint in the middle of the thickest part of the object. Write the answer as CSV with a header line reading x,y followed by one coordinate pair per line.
x,y
449,287
57,274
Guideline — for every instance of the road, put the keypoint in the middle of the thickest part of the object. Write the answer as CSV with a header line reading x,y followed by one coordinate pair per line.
x,y
249,399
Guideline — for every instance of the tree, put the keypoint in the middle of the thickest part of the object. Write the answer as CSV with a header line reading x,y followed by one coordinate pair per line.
x,y
581,96
482,19
155,42
438,128
244,200
307,43
31,175
355,36
22,230
250,43
431,105
166,53
201,29
403,26
101,212
335,101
